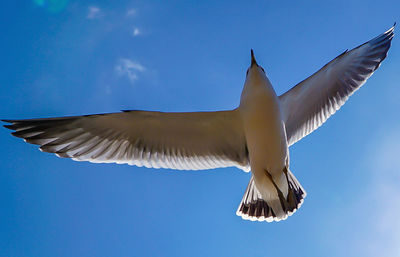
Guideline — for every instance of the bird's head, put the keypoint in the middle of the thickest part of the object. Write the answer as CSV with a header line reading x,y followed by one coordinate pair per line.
x,y
255,70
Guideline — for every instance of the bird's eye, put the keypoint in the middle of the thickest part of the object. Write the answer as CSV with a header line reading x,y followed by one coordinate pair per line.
x,y
262,69
247,72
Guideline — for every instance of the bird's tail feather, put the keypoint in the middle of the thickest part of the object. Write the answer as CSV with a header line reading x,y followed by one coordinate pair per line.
x,y
254,207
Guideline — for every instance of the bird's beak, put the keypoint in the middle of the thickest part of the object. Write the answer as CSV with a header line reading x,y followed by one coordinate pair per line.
x,y
253,59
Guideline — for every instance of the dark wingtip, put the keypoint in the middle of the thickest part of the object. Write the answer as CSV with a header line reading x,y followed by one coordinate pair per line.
x,y
391,30
17,134
9,127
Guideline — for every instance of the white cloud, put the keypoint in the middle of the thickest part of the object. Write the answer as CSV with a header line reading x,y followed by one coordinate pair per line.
x,y
129,68
131,12
136,32
94,12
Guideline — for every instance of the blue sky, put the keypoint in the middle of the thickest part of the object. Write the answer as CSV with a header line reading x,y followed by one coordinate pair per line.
x,y
71,57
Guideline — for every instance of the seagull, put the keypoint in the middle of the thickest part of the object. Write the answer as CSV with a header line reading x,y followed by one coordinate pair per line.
x,y
255,136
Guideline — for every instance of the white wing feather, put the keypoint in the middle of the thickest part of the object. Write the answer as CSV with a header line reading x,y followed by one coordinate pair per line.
x,y
182,141
310,103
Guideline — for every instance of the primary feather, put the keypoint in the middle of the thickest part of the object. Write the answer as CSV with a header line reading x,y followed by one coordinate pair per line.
x,y
182,141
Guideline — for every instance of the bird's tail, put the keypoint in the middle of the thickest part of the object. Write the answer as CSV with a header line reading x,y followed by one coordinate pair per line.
x,y
254,207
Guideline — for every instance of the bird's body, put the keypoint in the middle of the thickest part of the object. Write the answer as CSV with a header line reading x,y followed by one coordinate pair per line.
x,y
265,134
255,136
263,124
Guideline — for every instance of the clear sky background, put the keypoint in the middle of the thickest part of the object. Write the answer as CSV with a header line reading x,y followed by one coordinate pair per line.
x,y
77,57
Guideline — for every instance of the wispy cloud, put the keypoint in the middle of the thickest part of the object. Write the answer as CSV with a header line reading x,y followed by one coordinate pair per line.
x,y
94,12
136,32
129,68
383,194
372,227
131,12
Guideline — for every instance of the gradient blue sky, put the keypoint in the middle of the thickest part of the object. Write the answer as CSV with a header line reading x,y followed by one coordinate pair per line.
x,y
81,57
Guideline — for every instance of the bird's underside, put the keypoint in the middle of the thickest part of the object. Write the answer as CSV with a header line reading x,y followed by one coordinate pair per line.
x,y
208,140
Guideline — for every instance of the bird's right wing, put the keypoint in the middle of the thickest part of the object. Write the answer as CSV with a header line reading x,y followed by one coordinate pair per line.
x,y
310,103
183,141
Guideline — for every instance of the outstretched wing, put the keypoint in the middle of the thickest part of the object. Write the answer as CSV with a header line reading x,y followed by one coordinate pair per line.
x,y
183,141
310,103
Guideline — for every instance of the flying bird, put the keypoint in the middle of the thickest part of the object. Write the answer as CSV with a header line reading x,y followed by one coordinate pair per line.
x,y
255,136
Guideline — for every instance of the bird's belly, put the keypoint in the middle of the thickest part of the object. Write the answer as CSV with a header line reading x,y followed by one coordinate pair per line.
x,y
266,138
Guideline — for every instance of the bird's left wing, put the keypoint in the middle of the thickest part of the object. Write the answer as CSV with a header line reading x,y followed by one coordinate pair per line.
x,y
183,141
310,103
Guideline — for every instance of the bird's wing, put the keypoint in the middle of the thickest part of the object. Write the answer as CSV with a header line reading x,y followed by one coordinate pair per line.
x,y
310,103
183,141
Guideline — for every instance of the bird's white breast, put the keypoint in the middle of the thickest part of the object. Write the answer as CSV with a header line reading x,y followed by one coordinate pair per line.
x,y
263,125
